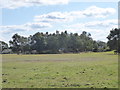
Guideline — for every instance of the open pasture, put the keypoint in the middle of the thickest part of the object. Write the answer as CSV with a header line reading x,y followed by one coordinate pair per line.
x,y
84,70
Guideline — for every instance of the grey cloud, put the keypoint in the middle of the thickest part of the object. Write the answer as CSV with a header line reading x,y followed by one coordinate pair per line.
x,y
54,17
93,11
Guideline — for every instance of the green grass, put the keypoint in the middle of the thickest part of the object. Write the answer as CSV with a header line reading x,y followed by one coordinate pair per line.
x,y
84,70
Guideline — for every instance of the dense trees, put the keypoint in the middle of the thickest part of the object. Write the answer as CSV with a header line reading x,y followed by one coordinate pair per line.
x,y
18,44
114,39
55,43
3,46
63,42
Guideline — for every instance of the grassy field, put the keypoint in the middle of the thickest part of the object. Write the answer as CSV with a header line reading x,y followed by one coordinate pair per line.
x,y
84,70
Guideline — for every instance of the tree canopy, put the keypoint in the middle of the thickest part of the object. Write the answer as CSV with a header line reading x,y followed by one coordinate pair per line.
x,y
63,42
114,39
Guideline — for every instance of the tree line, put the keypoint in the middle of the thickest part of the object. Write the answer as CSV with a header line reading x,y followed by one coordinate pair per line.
x,y
114,40
64,42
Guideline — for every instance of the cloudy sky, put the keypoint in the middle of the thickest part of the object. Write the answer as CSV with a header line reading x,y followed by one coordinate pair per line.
x,y
26,17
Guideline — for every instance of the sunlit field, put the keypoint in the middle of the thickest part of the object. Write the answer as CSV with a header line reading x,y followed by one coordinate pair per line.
x,y
83,70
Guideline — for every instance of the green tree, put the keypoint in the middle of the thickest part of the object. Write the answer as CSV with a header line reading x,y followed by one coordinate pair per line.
x,y
18,43
54,43
3,46
39,42
88,43
114,39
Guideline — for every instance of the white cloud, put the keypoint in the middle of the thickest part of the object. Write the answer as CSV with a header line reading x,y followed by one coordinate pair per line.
x,y
112,23
6,32
36,25
52,17
12,4
94,1
24,27
102,24
98,29
93,11
11,28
